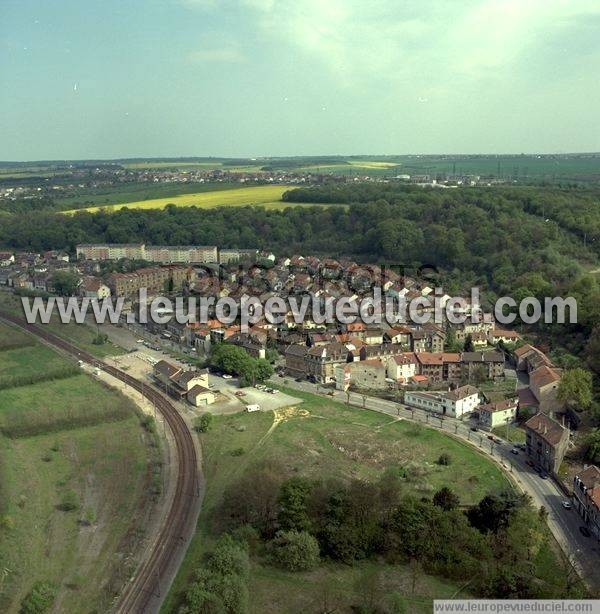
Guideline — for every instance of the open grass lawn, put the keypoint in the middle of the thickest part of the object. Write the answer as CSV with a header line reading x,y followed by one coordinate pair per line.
x,y
321,438
105,467
256,195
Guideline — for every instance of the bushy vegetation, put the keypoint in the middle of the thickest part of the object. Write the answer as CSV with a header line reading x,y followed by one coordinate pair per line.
x,y
496,543
40,599
221,584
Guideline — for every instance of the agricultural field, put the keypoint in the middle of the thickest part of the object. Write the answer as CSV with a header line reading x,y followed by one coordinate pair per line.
x,y
258,195
75,468
114,195
324,438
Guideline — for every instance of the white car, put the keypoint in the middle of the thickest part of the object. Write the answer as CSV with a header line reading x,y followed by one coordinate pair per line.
x,y
227,376
567,505
140,341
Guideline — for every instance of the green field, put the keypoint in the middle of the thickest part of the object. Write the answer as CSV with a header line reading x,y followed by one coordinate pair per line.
x,y
321,438
27,360
105,466
256,195
58,405
75,469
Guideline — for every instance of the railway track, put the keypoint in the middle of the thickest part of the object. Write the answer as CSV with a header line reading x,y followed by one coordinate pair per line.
x,y
144,592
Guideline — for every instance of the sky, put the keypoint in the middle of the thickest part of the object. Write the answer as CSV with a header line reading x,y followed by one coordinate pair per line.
x,y
244,78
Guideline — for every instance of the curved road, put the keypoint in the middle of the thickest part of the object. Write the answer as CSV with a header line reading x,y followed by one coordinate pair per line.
x,y
583,552
147,588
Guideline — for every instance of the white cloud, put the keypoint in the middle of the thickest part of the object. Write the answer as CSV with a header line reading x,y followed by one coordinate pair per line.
x,y
432,45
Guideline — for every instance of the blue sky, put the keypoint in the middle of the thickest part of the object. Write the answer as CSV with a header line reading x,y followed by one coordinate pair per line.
x,y
88,79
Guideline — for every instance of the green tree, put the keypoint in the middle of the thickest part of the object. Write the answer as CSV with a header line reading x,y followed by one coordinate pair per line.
x,y
293,502
446,499
575,388
203,423
295,550
65,283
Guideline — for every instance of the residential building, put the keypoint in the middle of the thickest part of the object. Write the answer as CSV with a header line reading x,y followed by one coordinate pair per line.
x,y
153,253
322,360
94,287
492,415
295,360
547,442
586,497
366,375
490,363
544,382
401,367
454,403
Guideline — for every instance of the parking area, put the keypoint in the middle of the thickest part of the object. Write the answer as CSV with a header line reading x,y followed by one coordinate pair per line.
x,y
252,396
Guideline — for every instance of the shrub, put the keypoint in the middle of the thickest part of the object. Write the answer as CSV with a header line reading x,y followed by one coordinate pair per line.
x,y
148,423
69,502
238,452
295,550
444,459
40,599
446,499
203,423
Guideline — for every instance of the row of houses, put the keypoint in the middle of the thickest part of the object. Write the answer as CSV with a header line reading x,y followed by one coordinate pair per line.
x,y
379,366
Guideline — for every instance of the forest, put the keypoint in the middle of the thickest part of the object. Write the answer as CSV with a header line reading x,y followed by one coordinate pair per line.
x,y
518,241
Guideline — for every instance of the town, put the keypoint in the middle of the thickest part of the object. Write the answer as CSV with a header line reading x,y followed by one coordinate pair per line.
x,y
446,370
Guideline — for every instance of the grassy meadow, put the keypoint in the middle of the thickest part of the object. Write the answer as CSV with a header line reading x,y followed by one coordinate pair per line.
x,y
320,438
75,469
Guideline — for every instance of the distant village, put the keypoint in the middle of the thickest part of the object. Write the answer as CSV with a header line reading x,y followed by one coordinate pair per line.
x,y
71,182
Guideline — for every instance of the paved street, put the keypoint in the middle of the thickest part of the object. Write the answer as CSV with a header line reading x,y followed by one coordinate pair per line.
x,y
564,524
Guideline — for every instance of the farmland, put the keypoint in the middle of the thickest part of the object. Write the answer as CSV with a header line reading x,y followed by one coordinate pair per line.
x,y
265,195
74,470
320,438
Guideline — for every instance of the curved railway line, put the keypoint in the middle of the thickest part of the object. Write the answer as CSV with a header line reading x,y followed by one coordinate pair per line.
x,y
143,593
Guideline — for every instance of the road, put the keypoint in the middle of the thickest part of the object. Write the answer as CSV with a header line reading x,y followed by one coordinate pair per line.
x,y
150,583
583,552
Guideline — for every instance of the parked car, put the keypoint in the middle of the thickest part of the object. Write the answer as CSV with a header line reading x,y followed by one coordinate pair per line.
x,y
251,408
227,376
474,429
585,531
239,393
567,505
543,475
530,463
514,451
491,437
